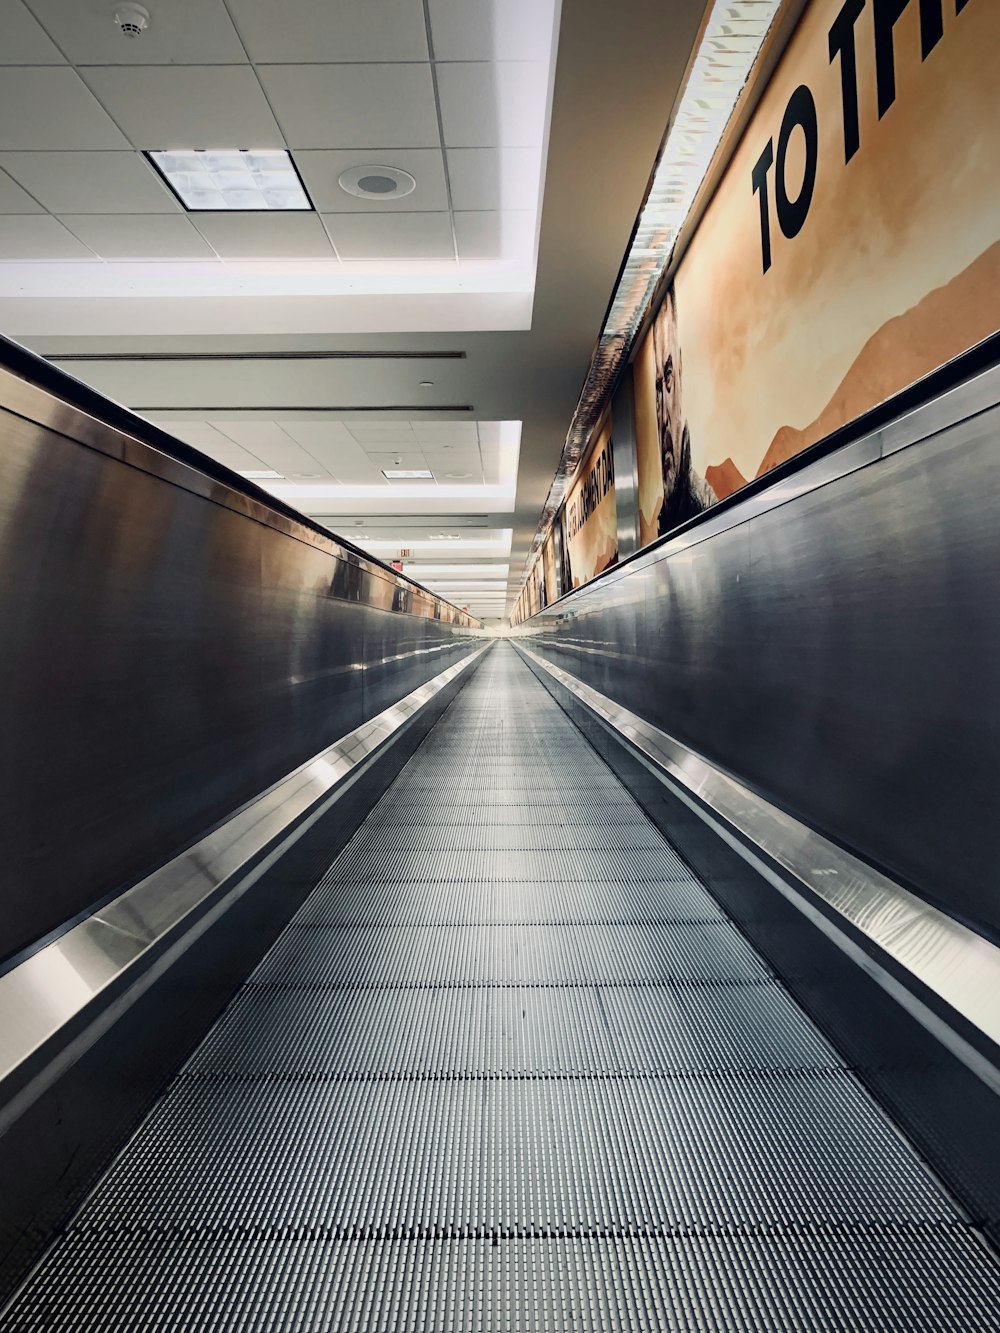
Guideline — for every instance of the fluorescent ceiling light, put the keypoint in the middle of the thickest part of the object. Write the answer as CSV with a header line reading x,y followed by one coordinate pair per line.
x,y
233,180
497,585
408,474
455,573
258,474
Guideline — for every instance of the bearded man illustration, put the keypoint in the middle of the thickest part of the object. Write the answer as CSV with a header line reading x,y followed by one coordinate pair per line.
x,y
685,493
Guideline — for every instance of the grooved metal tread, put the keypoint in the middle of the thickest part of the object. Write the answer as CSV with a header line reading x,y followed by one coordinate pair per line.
x,y
884,1282
345,955
463,902
512,1030
510,1068
743,1149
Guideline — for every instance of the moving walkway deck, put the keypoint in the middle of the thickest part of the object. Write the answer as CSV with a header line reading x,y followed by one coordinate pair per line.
x,y
511,1068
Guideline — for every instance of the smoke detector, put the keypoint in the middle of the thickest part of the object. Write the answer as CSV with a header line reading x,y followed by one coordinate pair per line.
x,y
132,19
377,182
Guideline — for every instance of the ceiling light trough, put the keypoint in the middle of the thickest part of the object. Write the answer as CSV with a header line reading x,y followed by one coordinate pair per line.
x,y
233,180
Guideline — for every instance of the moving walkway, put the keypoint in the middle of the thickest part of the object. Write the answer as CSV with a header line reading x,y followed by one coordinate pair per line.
x,y
510,1066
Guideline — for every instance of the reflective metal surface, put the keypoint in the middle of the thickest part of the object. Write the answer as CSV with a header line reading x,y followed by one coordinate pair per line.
x,y
832,644
171,647
945,956
54,986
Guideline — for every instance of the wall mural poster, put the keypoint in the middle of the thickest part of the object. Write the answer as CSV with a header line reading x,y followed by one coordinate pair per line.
x,y
533,606
590,516
549,568
852,247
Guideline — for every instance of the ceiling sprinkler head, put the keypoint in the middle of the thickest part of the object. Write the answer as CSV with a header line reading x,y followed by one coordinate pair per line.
x,y
132,19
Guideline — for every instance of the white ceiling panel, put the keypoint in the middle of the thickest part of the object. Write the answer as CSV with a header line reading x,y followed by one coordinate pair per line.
x,y
14,200
24,42
122,182
492,29
180,32
381,432
494,178
52,108
39,237
320,436
486,106
457,455
199,434
354,106
506,236
187,106
265,235
320,171
314,31
354,469
273,446
139,235
406,460
391,235
335,451
447,432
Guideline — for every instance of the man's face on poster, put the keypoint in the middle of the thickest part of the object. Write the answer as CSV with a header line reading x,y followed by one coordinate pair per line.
x,y
669,421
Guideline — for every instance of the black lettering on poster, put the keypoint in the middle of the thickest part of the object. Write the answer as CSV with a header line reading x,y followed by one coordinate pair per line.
x,y
596,485
800,112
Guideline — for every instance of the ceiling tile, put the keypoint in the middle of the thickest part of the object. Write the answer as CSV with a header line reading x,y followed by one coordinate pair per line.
x,y
506,236
139,236
353,106
264,235
426,165
197,32
492,29
446,432
187,106
373,433
273,446
199,434
485,106
39,237
315,31
24,42
122,182
335,450
407,459
319,435
14,200
494,178
391,235
203,436
52,108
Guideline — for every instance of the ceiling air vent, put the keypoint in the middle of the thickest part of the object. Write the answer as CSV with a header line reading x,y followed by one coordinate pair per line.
x,y
377,182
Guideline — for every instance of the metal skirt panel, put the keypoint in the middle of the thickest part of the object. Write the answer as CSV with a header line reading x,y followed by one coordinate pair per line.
x,y
489,1093
838,653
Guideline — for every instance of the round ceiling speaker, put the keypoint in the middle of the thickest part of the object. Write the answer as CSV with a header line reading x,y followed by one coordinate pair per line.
x,y
377,182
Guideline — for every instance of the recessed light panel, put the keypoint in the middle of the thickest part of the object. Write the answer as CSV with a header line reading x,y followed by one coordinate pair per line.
x,y
260,474
407,474
233,180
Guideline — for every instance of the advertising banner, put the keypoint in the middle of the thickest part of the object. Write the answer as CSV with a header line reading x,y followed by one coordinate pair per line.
x,y
549,569
590,517
852,247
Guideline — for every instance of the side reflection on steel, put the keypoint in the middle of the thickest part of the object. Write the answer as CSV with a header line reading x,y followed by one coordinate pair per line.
x,y
55,986
943,954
